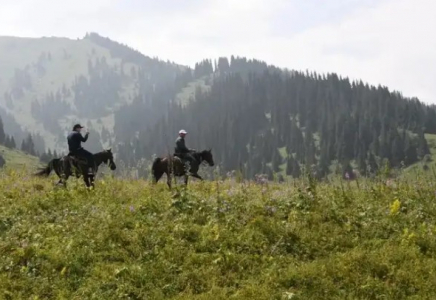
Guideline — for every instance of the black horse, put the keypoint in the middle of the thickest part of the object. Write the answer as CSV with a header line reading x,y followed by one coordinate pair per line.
x,y
66,166
173,165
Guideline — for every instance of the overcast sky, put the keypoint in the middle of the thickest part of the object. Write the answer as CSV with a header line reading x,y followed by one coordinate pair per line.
x,y
388,42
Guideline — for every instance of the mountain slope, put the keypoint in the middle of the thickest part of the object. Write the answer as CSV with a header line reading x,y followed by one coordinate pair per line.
x,y
257,118
16,159
47,84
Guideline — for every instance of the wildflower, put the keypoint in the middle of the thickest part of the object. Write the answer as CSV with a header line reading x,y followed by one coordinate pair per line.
x,y
395,207
261,178
231,192
271,209
231,174
288,295
224,207
131,208
390,183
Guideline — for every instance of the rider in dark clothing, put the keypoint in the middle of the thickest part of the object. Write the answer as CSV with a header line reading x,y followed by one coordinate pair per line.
x,y
75,148
181,150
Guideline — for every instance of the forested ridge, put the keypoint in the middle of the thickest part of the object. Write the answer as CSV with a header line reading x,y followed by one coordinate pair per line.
x,y
257,118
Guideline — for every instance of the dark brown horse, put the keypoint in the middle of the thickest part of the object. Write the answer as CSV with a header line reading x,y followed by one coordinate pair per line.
x,y
173,165
66,166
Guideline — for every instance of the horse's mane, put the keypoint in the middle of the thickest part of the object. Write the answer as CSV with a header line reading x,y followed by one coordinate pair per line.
x,y
103,156
199,155
101,153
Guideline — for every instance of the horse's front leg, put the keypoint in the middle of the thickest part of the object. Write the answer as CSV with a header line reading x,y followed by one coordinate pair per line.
x,y
86,179
63,179
92,180
197,176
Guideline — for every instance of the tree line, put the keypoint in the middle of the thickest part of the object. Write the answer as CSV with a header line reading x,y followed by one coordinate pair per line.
x,y
259,119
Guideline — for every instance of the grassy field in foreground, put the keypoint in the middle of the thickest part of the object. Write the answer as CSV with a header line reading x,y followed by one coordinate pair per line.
x,y
217,240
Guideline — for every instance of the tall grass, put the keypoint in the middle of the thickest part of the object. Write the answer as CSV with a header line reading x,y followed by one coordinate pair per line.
x,y
217,240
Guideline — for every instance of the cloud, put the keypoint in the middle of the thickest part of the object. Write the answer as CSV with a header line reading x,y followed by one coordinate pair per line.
x,y
388,42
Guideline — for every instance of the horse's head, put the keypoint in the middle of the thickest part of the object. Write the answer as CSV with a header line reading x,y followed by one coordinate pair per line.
x,y
108,159
207,156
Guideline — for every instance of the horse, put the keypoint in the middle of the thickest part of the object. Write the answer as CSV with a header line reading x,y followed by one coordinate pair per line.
x,y
66,166
173,165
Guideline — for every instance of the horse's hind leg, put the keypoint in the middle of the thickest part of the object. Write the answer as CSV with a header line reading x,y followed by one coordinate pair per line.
x,y
157,176
197,176
169,180
186,180
63,175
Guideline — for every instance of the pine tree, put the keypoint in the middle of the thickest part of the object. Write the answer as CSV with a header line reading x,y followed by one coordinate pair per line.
x,y
423,148
324,164
296,170
276,161
310,149
28,146
385,149
372,164
269,173
361,162
289,165
2,133
397,151
12,143
411,155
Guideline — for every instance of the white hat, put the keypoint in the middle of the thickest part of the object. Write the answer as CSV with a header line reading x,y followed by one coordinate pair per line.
x,y
182,131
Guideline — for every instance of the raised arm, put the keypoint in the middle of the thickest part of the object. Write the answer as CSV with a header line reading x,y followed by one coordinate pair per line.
x,y
84,139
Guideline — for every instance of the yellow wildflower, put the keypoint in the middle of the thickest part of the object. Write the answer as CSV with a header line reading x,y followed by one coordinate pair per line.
x,y
395,207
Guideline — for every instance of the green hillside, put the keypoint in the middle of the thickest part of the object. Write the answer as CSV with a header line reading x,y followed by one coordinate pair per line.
x,y
218,240
16,159
46,84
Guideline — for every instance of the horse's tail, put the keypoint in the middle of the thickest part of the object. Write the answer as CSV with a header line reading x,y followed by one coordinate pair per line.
x,y
154,168
45,172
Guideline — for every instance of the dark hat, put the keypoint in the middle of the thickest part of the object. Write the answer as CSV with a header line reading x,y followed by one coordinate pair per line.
x,y
77,126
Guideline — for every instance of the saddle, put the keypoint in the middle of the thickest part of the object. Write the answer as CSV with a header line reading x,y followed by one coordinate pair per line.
x,y
77,160
190,167
179,157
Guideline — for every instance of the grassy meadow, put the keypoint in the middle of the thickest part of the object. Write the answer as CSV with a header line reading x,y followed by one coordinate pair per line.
x,y
127,239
